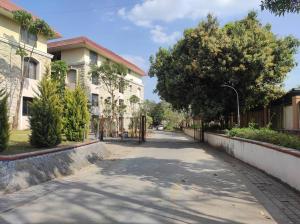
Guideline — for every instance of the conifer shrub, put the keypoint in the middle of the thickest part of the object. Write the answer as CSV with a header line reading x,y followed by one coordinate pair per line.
x,y
4,125
46,115
76,114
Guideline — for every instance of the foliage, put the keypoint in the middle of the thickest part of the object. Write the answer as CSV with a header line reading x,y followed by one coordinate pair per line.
x,y
134,99
244,54
280,7
59,72
35,26
76,115
23,18
112,76
45,115
4,125
157,114
267,135
162,113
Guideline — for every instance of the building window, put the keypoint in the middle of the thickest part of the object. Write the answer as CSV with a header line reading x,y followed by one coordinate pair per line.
x,y
72,79
26,106
130,88
95,100
121,102
121,86
139,93
28,37
56,56
30,68
93,58
129,71
95,79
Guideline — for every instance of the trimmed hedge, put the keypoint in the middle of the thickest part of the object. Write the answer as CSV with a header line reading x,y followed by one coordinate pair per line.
x,y
267,135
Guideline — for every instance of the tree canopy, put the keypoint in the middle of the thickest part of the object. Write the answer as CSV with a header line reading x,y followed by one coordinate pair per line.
x,y
280,7
244,54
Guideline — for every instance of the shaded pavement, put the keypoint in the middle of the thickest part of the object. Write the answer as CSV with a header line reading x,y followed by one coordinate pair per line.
x,y
169,179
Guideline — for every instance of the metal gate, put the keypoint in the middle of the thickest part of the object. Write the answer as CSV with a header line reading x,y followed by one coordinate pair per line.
x,y
135,132
198,130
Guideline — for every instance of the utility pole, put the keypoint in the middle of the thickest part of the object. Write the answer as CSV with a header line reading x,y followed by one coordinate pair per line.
x,y
237,101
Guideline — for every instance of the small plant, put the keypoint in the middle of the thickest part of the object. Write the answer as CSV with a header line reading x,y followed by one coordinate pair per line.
x,y
76,115
267,135
45,115
252,125
4,125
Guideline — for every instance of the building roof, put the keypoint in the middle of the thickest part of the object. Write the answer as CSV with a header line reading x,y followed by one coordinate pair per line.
x,y
9,6
85,42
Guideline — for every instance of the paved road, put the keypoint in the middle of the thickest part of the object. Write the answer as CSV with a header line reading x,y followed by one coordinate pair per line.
x,y
169,179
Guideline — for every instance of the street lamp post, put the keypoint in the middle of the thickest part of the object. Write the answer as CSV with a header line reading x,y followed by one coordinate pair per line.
x,y
238,103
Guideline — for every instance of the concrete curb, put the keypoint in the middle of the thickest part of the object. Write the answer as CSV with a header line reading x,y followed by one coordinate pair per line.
x,y
22,171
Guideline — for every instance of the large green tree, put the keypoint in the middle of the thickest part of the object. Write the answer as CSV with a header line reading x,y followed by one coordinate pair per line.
x,y
244,54
280,7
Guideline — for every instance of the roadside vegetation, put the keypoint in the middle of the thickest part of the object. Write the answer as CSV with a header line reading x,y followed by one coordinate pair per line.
x,y
244,54
163,113
19,142
266,135
4,125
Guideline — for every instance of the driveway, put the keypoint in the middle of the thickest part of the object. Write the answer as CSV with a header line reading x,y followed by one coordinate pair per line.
x,y
169,179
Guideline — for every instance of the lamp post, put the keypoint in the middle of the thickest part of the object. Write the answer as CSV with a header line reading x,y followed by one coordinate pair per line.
x,y
238,103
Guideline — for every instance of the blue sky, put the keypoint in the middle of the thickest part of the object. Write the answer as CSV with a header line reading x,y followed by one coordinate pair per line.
x,y
135,29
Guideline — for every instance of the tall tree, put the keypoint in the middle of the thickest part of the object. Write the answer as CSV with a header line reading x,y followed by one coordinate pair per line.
x,y
46,114
244,54
76,114
280,7
112,76
29,27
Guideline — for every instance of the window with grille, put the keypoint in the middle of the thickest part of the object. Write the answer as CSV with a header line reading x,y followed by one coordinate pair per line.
x,y
28,37
26,106
95,79
93,58
30,68
95,100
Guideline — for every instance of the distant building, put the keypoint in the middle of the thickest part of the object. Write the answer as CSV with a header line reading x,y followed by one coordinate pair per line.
x,y
10,63
80,53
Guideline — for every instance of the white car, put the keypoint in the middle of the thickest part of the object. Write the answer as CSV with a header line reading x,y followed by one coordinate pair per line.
x,y
160,128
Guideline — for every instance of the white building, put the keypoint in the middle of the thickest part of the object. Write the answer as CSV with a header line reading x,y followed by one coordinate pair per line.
x,y
80,53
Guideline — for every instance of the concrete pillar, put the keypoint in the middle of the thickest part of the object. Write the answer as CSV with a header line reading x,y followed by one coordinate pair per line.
x,y
295,104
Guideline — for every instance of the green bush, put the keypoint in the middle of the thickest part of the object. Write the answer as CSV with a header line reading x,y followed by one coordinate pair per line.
x,y
45,115
76,115
267,135
4,125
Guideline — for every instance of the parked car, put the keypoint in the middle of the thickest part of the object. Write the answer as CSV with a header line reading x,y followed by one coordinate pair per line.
x,y
160,128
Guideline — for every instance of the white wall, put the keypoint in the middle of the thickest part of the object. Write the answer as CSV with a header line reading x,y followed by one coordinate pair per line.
x,y
266,157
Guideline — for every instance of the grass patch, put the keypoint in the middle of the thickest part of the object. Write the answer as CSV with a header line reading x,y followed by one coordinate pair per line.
x,y
19,143
267,135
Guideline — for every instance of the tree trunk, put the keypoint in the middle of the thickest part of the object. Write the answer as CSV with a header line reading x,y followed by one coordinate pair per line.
x,y
16,117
